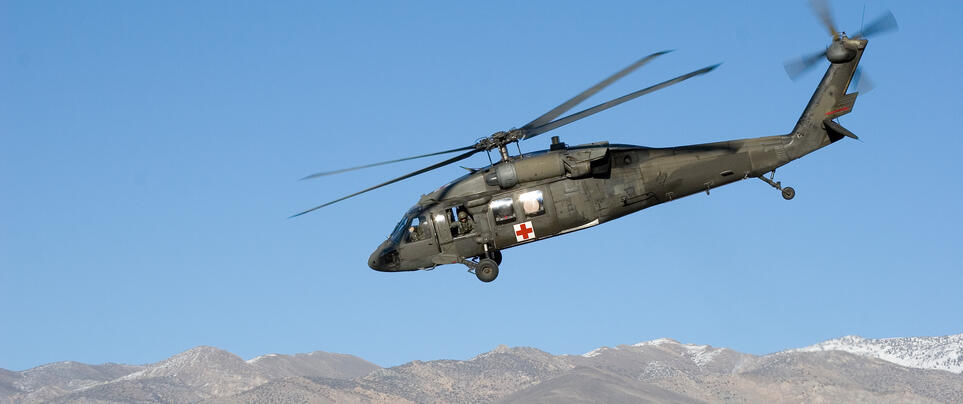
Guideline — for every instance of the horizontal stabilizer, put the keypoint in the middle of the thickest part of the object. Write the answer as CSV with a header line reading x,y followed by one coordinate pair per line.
x,y
837,131
843,106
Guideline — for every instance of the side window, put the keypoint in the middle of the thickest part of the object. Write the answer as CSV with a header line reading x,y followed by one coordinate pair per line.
x,y
463,222
418,229
503,210
532,203
452,220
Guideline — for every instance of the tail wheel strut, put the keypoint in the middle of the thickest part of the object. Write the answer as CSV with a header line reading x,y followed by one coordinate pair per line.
x,y
787,192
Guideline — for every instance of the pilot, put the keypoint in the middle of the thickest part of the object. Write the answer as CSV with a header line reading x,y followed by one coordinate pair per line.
x,y
414,233
465,224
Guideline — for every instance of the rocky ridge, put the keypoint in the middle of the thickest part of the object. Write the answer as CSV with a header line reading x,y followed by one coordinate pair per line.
x,y
848,369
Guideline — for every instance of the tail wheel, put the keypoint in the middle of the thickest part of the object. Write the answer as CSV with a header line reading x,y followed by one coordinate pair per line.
x,y
486,270
788,193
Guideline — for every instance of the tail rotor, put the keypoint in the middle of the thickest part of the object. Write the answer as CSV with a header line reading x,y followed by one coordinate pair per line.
x,y
842,47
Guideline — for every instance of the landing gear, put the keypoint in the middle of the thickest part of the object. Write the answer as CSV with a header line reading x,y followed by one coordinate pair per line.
x,y
496,256
486,270
787,192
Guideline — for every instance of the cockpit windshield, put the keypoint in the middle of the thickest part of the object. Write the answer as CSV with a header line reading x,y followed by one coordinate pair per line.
x,y
399,230
412,227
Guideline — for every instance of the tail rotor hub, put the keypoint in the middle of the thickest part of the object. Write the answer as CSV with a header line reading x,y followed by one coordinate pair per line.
x,y
842,50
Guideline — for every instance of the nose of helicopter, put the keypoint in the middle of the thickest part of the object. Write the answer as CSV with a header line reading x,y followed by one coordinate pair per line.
x,y
384,258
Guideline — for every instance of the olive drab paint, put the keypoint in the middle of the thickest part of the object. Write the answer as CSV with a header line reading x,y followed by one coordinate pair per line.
x,y
534,196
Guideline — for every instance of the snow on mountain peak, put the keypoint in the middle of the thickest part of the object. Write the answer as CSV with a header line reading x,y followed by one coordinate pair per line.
x,y
698,354
262,357
595,352
942,353
658,342
701,354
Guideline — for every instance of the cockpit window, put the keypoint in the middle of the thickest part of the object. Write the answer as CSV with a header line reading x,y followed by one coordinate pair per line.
x,y
413,220
399,230
419,229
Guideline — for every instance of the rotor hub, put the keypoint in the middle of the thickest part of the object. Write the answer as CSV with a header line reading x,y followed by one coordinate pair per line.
x,y
843,48
841,51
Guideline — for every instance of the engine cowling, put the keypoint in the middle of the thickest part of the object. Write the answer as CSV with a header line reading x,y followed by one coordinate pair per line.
x,y
510,173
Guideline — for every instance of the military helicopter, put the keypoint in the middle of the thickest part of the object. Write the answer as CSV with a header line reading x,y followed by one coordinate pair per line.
x,y
529,197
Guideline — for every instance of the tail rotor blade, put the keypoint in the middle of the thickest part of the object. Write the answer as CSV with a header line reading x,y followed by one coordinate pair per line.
x,y
861,81
821,8
885,23
796,67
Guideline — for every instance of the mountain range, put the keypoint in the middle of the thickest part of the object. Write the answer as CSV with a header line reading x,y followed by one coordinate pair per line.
x,y
847,369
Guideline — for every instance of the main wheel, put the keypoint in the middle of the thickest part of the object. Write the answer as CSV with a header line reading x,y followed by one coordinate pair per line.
x,y
496,255
788,193
486,270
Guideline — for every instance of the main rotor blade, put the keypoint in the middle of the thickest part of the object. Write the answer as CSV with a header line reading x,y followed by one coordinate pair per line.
x,y
567,105
323,173
796,67
885,23
821,8
403,177
606,105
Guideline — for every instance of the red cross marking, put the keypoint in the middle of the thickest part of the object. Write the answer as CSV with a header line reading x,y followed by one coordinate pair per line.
x,y
523,231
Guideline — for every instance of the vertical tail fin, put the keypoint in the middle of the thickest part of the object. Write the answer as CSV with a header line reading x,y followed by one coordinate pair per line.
x,y
828,102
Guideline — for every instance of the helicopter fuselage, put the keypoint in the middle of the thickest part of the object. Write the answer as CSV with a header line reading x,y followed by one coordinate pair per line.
x,y
555,192
544,194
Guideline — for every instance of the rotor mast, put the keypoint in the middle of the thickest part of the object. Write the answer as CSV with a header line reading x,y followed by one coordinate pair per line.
x,y
500,140
503,150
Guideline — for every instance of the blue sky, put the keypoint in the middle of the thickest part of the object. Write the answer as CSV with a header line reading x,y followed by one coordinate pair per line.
x,y
149,157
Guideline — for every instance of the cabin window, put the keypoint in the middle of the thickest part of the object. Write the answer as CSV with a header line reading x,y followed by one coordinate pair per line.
x,y
451,218
532,203
462,222
503,210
